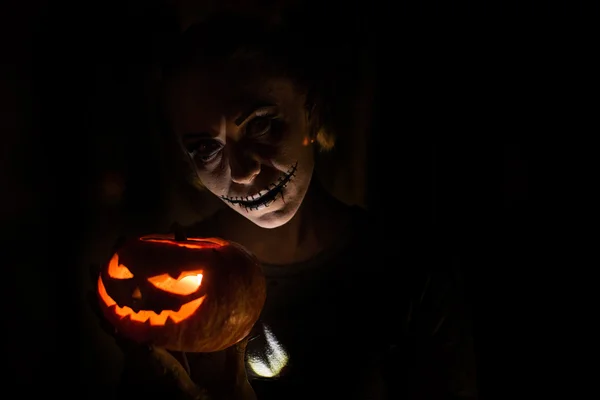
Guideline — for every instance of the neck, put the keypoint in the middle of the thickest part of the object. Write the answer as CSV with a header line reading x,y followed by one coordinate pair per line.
x,y
309,232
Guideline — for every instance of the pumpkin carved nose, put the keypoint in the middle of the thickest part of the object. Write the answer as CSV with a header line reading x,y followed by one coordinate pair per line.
x,y
137,294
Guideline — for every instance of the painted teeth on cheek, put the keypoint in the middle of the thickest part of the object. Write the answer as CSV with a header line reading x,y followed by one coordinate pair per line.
x,y
278,186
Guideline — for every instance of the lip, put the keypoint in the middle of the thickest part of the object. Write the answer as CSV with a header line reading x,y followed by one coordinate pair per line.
x,y
266,199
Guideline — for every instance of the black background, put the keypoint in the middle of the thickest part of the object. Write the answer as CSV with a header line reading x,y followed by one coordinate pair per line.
x,y
462,88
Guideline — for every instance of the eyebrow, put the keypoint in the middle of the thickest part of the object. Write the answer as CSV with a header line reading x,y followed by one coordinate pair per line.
x,y
244,116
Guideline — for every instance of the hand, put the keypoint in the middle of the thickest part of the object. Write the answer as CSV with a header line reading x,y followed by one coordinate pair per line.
x,y
153,372
222,374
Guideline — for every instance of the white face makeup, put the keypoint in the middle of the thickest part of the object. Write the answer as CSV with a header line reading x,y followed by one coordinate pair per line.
x,y
248,138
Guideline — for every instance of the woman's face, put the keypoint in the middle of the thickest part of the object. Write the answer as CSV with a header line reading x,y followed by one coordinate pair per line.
x,y
249,138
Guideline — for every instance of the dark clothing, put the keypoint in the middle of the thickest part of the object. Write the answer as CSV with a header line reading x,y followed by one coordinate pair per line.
x,y
371,318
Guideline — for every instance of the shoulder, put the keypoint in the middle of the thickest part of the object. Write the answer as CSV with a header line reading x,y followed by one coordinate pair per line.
x,y
412,272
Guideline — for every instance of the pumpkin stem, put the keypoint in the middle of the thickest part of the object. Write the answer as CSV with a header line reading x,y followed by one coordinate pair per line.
x,y
179,232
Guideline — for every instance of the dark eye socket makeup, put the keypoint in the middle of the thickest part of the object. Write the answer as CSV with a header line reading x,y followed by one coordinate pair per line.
x,y
201,145
206,147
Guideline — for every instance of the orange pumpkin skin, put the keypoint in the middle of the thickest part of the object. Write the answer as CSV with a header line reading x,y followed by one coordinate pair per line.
x,y
194,295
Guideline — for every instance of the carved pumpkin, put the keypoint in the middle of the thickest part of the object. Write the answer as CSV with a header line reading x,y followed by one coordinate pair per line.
x,y
193,295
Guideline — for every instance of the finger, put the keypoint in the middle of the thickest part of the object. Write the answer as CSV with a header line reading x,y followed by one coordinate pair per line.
x,y
235,363
243,390
242,344
173,368
237,352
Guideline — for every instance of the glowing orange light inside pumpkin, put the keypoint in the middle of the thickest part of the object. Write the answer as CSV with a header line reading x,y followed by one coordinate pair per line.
x,y
186,310
118,271
202,243
187,283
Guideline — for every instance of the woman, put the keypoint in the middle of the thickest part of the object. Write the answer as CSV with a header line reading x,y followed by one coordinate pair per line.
x,y
247,103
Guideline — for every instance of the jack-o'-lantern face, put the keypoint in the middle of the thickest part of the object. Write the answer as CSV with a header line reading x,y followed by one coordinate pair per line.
x,y
194,295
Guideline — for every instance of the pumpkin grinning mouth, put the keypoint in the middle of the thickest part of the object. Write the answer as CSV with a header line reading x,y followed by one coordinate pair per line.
x,y
148,316
265,200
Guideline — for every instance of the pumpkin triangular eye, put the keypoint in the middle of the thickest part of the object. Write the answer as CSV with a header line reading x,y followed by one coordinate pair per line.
x,y
118,271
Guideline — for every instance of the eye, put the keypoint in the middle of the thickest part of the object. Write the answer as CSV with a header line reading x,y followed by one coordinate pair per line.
x,y
187,283
205,150
259,126
118,271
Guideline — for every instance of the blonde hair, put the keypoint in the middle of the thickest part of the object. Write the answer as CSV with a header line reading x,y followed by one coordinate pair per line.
x,y
325,139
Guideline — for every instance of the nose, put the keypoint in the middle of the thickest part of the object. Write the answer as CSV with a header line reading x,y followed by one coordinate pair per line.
x,y
244,167
137,294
